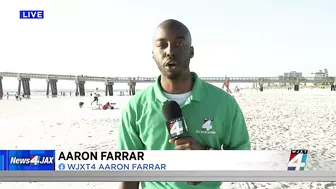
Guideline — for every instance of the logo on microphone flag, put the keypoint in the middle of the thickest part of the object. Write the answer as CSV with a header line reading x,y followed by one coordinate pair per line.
x,y
176,128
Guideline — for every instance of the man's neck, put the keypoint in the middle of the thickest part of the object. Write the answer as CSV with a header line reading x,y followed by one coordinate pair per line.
x,y
179,86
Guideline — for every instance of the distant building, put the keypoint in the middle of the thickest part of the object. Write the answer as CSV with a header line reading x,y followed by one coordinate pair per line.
x,y
321,75
292,74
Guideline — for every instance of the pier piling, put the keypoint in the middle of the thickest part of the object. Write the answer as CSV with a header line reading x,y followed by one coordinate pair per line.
x,y
261,84
296,87
80,88
131,85
24,82
255,85
109,88
52,84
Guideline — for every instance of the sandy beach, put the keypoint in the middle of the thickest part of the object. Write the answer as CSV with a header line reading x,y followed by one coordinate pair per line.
x,y
276,119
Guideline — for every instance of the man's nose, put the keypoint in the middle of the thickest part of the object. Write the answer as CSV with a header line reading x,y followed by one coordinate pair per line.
x,y
170,51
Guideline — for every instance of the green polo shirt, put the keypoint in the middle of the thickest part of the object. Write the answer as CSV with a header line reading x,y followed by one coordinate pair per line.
x,y
143,124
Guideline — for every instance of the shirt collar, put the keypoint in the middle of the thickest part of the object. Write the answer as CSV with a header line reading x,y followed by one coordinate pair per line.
x,y
196,93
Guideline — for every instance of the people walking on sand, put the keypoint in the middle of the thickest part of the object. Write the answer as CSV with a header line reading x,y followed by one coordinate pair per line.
x,y
7,95
237,89
17,96
96,95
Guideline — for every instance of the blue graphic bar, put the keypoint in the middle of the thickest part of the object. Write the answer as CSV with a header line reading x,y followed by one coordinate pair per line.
x,y
2,160
27,160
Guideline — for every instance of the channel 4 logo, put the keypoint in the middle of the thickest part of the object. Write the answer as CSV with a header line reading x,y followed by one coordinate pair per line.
x,y
31,14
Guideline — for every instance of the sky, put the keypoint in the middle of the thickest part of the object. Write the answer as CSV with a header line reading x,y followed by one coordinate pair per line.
x,y
114,38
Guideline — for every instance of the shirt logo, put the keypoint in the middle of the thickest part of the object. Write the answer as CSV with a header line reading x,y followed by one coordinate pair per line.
x,y
206,127
207,124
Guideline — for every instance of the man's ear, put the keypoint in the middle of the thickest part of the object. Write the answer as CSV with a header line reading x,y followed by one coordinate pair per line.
x,y
192,52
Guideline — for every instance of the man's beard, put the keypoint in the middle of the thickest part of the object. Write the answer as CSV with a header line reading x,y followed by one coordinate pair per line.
x,y
174,76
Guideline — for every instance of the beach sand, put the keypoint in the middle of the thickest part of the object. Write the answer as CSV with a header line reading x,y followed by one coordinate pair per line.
x,y
276,119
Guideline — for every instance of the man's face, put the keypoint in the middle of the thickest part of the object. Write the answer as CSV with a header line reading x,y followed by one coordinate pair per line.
x,y
172,51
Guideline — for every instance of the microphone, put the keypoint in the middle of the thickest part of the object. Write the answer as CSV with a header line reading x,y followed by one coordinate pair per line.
x,y
175,123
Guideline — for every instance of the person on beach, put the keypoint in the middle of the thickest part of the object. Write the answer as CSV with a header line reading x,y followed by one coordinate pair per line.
x,y
7,95
108,106
200,102
17,96
1,95
96,95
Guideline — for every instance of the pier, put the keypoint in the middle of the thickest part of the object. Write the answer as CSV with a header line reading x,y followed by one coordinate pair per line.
x,y
80,80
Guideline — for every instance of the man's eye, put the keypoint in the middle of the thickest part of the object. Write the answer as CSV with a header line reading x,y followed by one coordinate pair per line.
x,y
161,45
179,44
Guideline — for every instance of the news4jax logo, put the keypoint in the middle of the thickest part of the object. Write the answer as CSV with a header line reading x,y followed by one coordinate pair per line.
x,y
176,127
297,160
34,160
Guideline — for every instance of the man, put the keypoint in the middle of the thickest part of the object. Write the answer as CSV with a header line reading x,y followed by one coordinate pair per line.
x,y
96,95
204,106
